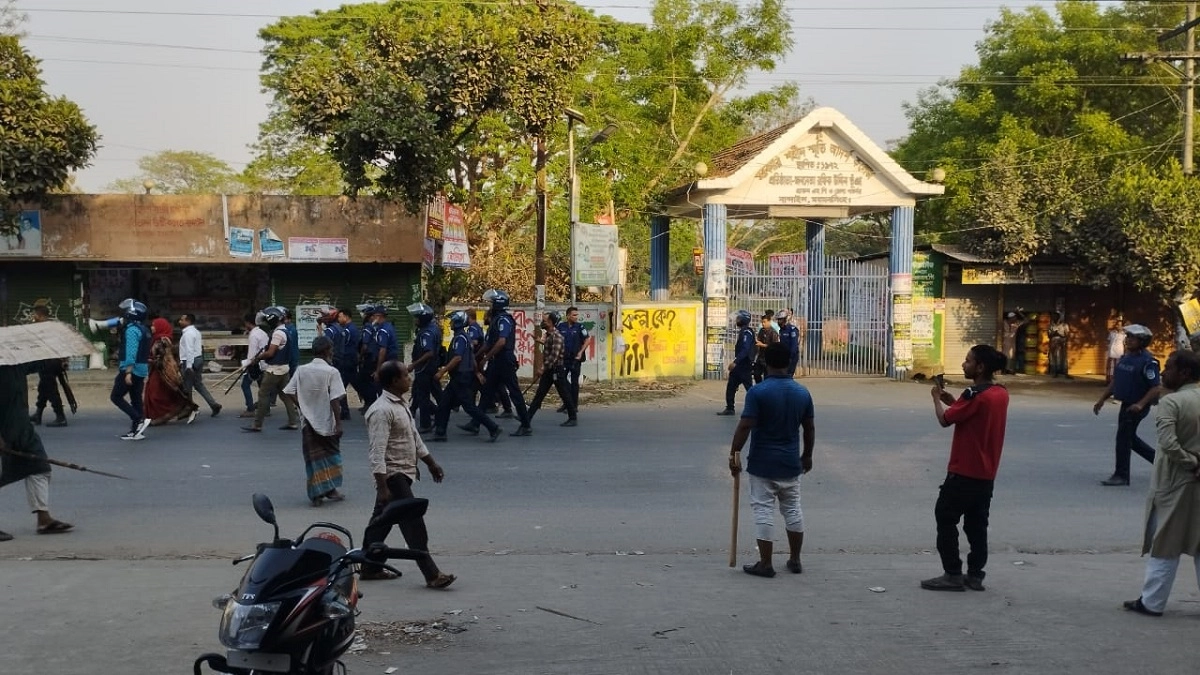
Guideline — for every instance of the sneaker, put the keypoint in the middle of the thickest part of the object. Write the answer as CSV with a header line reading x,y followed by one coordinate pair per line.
x,y
570,423
726,412
946,582
141,427
522,431
1116,481
192,416
129,436
973,583
216,410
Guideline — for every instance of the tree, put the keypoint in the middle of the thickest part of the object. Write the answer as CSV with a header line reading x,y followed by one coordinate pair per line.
x,y
182,172
12,19
1043,139
43,138
288,162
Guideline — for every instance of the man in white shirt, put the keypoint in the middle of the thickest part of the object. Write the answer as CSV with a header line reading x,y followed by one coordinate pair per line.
x,y
395,448
317,389
191,362
256,342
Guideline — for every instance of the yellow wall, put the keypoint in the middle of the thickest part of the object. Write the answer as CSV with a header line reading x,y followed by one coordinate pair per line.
x,y
660,341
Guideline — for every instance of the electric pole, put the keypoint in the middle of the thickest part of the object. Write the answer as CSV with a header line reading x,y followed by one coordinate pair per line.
x,y
1188,76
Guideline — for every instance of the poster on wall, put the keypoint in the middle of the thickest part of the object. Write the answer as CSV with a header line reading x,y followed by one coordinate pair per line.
x,y
25,240
269,243
318,249
306,323
241,242
739,261
597,262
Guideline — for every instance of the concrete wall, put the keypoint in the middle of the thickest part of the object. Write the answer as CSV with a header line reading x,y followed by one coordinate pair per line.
x,y
206,229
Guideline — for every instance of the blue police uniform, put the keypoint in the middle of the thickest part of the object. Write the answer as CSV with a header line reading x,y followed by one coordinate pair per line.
x,y
458,390
368,389
743,366
574,337
502,370
1133,377
789,336
385,338
336,334
425,388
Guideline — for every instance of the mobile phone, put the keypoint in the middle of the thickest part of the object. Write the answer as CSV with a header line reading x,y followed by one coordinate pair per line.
x,y
940,379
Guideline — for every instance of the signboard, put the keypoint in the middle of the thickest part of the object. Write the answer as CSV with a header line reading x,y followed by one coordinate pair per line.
x,y
818,169
739,261
595,255
306,324
788,264
316,249
269,244
241,242
25,241
436,218
456,253
429,254
697,260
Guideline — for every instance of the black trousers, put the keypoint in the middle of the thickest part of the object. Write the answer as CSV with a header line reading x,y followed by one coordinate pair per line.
x,y
968,499
458,393
572,366
366,386
120,390
415,535
426,392
760,372
502,375
558,379
738,377
1128,440
47,391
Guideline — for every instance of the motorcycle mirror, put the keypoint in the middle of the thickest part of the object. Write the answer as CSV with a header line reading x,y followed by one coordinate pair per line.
x,y
265,510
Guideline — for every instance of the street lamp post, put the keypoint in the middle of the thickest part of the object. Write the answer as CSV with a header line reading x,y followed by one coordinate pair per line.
x,y
573,116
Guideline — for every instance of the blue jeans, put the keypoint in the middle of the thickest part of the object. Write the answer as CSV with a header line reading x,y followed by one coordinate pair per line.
x,y
132,407
248,392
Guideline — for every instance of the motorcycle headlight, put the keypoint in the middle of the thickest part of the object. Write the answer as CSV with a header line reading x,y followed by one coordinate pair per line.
x,y
244,626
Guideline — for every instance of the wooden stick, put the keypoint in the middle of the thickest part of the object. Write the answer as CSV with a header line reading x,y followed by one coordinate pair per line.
x,y
57,462
733,538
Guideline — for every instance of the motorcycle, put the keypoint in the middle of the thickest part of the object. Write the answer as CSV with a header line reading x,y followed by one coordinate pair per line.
x,y
294,610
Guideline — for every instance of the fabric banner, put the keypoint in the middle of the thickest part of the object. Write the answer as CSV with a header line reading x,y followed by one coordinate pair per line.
x,y
739,261
456,253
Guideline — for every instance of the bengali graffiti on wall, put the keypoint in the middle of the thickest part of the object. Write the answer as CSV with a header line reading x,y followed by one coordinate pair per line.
x,y
25,310
657,341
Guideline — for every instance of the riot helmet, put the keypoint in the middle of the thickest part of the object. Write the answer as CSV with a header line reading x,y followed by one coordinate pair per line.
x,y
422,312
458,320
133,310
497,298
782,316
554,317
742,318
269,318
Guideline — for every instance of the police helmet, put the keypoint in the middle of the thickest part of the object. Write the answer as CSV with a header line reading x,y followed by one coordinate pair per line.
x,y
782,316
1142,333
287,314
422,312
554,317
379,309
329,314
458,320
742,318
270,317
133,310
497,298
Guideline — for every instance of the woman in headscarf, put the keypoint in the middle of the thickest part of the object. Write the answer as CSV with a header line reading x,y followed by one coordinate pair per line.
x,y
164,400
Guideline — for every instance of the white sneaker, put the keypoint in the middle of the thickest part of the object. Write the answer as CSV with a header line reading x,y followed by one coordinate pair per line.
x,y
192,417
141,428
129,436
138,437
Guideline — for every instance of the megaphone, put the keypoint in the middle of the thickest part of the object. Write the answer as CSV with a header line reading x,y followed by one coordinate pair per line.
x,y
106,324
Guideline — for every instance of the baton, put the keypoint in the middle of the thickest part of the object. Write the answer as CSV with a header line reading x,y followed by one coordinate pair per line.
x,y
57,462
733,538
233,384
66,385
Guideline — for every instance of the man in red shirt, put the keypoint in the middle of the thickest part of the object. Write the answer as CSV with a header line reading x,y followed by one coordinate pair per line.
x,y
978,417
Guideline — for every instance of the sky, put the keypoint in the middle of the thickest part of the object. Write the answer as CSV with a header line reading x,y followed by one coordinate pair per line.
x,y
151,77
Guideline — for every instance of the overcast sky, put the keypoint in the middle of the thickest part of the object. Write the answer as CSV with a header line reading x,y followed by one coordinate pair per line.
x,y
152,78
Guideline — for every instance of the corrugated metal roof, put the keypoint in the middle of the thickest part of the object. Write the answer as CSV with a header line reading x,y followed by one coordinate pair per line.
x,y
961,254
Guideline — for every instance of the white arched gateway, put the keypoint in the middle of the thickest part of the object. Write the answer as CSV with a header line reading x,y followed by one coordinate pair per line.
x,y
819,169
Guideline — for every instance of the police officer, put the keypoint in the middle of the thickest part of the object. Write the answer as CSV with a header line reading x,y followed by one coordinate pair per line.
x,y
387,347
501,393
347,359
576,340
789,335
426,359
368,359
741,370
335,332
1135,384
49,372
461,368
501,359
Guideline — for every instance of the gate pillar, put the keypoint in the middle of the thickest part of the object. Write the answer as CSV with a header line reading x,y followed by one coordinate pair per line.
x,y
660,258
716,291
815,238
900,260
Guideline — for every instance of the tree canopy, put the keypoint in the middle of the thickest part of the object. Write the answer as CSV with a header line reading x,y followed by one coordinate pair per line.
x,y
182,172
43,138
1056,148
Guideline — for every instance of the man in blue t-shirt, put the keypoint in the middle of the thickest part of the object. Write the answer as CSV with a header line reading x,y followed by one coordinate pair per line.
x,y
1135,384
775,412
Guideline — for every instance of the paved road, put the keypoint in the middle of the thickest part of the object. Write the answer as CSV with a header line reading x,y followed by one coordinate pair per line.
x,y
524,520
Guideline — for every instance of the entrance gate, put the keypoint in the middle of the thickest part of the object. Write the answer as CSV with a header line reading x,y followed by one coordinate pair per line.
x,y
842,314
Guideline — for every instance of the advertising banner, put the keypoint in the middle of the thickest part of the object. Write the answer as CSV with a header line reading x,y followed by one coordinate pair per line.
x,y
595,254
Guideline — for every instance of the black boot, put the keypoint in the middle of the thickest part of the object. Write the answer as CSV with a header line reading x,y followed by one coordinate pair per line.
x,y
36,417
60,420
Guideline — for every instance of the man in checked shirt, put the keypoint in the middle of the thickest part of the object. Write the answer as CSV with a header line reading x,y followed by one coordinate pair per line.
x,y
553,372
395,447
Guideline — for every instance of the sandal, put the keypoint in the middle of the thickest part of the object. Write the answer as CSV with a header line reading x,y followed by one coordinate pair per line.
x,y
440,581
381,575
758,569
55,527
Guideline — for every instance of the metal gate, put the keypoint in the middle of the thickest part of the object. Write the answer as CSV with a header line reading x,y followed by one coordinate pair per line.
x,y
842,313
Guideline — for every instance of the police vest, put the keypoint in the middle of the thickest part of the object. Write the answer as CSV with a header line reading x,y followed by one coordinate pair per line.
x,y
282,354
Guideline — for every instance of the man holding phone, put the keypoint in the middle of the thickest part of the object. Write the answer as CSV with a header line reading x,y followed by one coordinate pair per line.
x,y
775,411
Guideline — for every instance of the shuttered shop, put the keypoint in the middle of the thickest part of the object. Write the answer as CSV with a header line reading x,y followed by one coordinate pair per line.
x,y
26,284
970,318
349,285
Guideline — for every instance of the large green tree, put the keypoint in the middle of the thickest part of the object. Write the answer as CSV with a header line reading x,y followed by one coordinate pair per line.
x,y
182,172
43,138
1050,127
